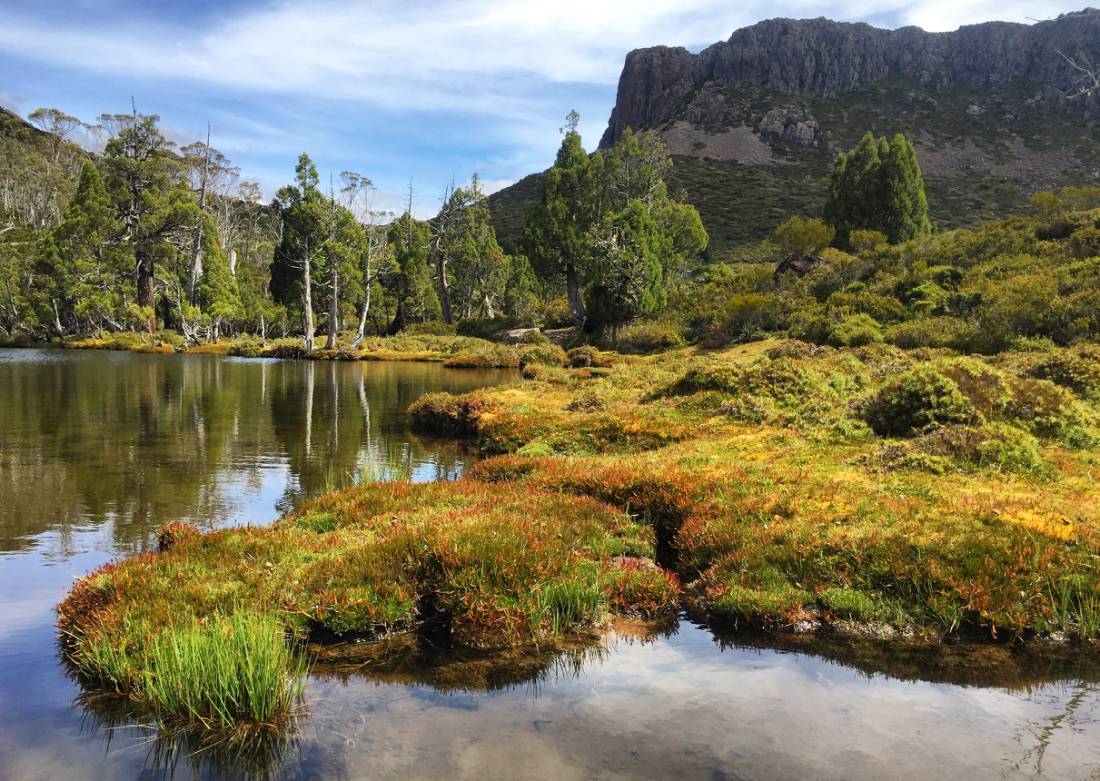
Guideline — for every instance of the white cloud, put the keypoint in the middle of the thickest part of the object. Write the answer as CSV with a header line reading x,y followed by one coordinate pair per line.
x,y
464,55
511,68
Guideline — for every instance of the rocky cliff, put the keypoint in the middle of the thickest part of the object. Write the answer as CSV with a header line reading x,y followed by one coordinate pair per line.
x,y
754,123
823,59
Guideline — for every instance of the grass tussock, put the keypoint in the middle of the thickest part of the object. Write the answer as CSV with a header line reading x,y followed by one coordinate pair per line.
x,y
912,491
493,567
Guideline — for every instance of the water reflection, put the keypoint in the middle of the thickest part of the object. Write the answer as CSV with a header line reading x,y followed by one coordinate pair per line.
x,y
669,700
129,441
98,449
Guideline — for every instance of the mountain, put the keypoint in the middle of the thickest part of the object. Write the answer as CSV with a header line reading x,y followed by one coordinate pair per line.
x,y
754,122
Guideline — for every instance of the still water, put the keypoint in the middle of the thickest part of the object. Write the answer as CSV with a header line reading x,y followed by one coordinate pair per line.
x,y
98,449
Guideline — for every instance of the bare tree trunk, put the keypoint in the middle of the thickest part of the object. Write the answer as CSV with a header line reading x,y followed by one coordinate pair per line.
x,y
361,330
146,282
263,330
195,271
307,304
444,287
576,305
333,312
57,319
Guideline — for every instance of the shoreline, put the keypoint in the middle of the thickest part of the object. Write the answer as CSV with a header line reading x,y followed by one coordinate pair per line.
x,y
749,482
458,352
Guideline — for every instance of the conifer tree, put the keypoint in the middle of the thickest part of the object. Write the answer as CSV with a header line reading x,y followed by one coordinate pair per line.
x,y
556,234
79,266
903,202
878,186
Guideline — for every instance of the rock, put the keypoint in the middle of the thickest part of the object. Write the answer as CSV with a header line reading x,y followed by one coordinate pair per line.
x,y
799,264
790,123
821,58
514,335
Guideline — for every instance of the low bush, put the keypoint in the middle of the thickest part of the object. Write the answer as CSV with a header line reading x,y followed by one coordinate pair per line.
x,y
642,338
855,331
447,415
1076,369
484,328
920,398
431,328
938,332
542,353
583,356
488,357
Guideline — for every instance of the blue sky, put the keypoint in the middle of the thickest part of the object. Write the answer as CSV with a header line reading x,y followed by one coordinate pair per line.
x,y
393,90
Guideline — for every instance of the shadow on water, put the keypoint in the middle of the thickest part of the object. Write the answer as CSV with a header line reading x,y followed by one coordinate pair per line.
x,y
427,662
183,754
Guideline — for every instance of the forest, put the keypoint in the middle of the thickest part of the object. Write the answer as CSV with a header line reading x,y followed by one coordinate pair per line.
x,y
171,243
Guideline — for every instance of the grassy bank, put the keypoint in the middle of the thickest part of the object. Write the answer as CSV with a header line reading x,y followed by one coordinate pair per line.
x,y
866,490
458,352
489,566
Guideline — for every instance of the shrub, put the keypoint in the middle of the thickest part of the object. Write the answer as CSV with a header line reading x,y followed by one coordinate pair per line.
x,y
804,237
918,399
987,389
544,353
856,330
950,332
1077,370
484,328
490,356
793,348
583,356
863,240
649,337
534,336
1051,412
446,414
246,346
1085,242
431,328
1056,230
556,313
745,316
997,445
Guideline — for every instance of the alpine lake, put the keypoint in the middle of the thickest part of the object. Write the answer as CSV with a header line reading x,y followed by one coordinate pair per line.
x,y
99,449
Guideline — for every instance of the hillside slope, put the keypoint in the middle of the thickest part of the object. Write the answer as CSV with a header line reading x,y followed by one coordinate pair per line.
x,y
754,123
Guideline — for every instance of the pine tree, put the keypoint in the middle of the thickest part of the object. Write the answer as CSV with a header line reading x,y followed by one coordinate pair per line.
x,y
878,186
79,267
556,234
628,270
903,202
410,284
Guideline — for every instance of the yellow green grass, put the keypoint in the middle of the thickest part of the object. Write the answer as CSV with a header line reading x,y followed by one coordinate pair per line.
x,y
491,566
457,352
868,491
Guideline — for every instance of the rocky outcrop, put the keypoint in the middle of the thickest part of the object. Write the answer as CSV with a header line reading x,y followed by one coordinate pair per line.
x,y
799,263
821,58
793,124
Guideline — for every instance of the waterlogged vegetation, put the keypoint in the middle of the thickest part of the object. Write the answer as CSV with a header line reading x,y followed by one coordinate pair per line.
x,y
453,351
196,631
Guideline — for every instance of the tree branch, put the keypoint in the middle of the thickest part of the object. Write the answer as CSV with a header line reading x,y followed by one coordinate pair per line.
x,y
1088,79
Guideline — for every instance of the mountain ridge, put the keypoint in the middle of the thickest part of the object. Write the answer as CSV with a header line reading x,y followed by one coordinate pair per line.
x,y
754,122
822,58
